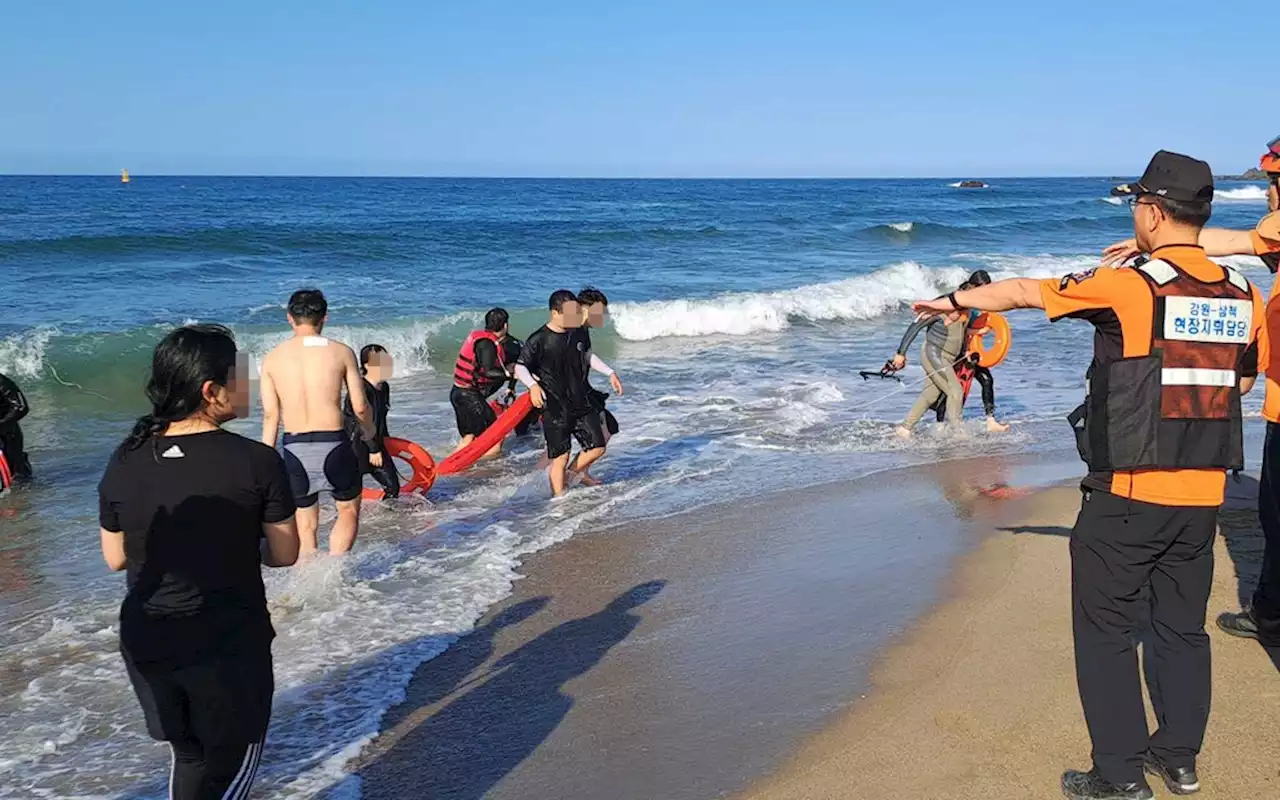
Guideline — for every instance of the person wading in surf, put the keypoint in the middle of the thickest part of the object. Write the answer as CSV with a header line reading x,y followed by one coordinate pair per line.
x,y
943,346
302,382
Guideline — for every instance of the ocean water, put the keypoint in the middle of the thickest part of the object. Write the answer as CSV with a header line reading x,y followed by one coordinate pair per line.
x,y
742,312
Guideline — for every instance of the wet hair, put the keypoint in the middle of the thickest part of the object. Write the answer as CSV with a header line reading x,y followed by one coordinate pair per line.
x,y
308,307
181,364
1196,214
495,318
366,355
978,278
590,295
559,298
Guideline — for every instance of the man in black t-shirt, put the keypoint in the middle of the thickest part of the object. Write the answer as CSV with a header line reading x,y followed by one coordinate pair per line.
x,y
554,364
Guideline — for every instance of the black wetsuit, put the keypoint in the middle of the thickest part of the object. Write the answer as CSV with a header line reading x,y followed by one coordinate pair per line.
x,y
470,403
13,407
511,347
379,400
597,397
559,362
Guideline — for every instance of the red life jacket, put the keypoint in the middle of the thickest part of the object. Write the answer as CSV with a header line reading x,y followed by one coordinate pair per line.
x,y
464,371
1179,407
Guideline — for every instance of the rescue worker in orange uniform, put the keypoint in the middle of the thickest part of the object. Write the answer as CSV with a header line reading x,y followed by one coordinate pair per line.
x,y
1177,341
1261,620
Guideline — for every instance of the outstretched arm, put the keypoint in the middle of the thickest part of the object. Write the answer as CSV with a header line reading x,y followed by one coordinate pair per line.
x,y
999,296
1216,242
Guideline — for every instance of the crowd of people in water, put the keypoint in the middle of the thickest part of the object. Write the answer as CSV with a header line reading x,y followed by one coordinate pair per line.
x,y
192,512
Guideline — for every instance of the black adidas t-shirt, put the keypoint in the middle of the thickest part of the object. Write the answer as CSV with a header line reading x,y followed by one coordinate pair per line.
x,y
191,509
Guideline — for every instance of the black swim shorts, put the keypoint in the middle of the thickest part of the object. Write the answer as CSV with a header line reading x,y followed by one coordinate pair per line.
x,y
321,461
587,429
471,410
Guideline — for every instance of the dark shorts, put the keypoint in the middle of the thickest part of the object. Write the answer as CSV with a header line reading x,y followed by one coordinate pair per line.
x,y
221,701
587,429
472,411
321,461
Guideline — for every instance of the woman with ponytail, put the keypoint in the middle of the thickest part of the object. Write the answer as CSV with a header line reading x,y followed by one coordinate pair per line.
x,y
192,512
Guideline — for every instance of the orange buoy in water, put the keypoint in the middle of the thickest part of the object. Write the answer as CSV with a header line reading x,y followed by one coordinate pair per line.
x,y
998,327
423,465
6,475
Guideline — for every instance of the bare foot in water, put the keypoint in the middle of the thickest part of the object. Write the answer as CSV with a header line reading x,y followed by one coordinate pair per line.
x,y
995,427
587,480
902,432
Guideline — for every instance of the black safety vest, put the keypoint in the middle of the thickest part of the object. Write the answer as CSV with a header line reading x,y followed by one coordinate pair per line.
x,y
1179,406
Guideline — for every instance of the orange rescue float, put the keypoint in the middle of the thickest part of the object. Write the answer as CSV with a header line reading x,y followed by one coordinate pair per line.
x,y
998,327
423,465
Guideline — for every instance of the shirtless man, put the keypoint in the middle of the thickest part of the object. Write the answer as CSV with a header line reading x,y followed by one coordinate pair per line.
x,y
302,382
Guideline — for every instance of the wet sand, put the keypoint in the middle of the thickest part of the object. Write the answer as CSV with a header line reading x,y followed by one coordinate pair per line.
x,y
685,657
980,699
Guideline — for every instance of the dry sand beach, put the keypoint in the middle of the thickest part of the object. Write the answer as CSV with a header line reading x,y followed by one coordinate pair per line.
x,y
979,700
686,660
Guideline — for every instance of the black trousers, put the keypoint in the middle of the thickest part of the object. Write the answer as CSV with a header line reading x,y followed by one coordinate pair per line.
x,y
1134,563
1266,599
11,443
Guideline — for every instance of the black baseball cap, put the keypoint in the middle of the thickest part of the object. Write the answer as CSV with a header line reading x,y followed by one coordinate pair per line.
x,y
1174,176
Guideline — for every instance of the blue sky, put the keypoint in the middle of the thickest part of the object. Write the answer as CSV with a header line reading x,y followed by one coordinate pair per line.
x,y
562,87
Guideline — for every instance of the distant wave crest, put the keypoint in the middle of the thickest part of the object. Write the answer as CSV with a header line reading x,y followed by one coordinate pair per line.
x,y
857,298
1246,194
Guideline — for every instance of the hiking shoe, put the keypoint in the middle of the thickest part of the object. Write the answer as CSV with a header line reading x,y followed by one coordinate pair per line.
x,y
1180,780
1242,624
1092,786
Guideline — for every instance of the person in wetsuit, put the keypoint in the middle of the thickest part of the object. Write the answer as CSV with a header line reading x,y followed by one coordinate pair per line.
x,y
554,365
595,307
943,347
13,407
479,372
980,373
376,367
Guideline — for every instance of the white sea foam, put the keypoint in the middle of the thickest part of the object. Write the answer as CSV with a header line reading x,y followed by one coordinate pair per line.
x,y
22,354
857,298
1115,201
903,227
862,297
1247,194
411,344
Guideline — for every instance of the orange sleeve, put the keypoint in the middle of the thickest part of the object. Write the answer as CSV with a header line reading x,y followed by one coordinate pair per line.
x,y
1263,246
1086,291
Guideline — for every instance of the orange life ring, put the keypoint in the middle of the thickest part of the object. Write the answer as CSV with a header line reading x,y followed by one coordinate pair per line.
x,y
424,467
999,328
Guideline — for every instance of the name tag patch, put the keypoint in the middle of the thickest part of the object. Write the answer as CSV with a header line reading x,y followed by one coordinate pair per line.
x,y
1208,320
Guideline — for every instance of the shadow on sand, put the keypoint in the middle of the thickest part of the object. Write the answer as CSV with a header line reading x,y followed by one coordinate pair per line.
x,y
497,718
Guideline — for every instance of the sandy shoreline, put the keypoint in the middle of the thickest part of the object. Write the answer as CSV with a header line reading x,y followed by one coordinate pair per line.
x,y
686,657
979,699
689,657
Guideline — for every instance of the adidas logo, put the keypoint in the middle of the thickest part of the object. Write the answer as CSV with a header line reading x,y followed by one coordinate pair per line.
x,y
173,452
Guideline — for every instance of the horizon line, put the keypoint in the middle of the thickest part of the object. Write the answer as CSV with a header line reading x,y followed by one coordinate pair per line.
x,y
497,177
